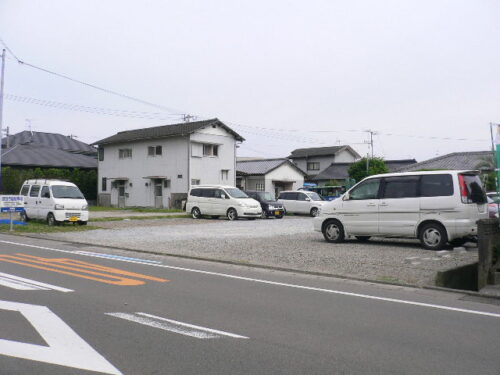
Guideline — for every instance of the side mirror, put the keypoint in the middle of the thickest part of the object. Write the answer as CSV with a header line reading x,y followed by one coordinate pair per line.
x,y
308,199
223,196
345,197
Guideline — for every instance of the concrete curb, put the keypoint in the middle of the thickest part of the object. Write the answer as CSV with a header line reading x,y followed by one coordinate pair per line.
x,y
289,270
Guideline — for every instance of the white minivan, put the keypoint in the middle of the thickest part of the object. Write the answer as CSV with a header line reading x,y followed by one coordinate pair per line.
x,y
54,201
218,200
437,207
301,202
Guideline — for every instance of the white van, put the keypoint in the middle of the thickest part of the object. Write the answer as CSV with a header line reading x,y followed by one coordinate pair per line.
x,y
55,201
301,202
218,200
436,207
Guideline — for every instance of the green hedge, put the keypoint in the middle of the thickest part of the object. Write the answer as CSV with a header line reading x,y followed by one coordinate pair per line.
x,y
86,180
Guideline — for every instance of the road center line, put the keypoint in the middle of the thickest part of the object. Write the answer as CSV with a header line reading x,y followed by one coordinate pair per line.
x,y
295,286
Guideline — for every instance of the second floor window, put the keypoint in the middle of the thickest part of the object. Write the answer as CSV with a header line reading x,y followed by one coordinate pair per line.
x,y
125,153
224,174
313,166
210,150
155,150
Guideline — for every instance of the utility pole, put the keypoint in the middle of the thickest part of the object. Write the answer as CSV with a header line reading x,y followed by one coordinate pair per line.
x,y
1,112
371,148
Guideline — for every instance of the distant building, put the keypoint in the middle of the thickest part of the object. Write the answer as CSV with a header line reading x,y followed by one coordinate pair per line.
x,y
47,150
313,161
339,171
271,175
474,160
155,167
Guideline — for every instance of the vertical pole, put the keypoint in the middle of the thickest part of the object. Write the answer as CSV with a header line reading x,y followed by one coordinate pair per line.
x,y
10,219
371,142
1,112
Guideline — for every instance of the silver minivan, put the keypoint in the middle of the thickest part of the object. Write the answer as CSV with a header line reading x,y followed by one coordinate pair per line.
x,y
437,207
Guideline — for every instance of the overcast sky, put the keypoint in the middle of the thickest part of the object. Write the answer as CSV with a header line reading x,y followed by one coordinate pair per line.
x,y
283,74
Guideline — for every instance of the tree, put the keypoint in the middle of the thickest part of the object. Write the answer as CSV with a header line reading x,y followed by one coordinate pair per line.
x,y
358,171
487,167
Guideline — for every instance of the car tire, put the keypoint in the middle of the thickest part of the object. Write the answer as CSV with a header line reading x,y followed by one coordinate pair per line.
x,y
232,214
433,236
51,220
82,223
279,216
195,213
23,216
214,216
363,238
314,212
333,231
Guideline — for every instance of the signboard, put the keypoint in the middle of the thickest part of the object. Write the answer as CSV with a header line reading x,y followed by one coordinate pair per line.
x,y
11,203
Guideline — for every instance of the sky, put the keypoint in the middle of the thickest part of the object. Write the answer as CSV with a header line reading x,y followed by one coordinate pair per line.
x,y
424,75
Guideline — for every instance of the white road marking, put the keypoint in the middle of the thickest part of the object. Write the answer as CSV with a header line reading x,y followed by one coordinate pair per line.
x,y
20,283
64,346
175,326
295,286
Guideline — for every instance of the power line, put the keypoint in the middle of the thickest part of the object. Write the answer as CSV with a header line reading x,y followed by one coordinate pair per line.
x,y
145,102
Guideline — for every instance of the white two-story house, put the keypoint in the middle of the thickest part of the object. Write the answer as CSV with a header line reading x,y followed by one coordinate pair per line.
x,y
155,167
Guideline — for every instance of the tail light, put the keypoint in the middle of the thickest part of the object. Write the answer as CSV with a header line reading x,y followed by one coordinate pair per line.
x,y
464,194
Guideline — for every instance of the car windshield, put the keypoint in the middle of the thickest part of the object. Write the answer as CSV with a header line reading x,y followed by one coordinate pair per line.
x,y
266,196
236,193
63,191
314,196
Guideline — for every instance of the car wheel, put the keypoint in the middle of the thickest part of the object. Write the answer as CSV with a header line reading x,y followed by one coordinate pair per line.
x,y
82,223
232,214
51,220
314,212
458,242
433,236
195,213
23,216
362,238
279,216
214,216
333,231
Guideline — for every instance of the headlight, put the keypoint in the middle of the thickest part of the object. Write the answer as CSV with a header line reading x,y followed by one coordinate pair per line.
x,y
271,208
85,207
59,207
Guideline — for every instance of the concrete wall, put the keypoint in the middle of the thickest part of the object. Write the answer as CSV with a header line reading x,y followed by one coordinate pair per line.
x,y
488,233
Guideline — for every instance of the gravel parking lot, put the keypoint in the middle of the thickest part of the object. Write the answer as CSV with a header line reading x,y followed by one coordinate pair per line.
x,y
287,243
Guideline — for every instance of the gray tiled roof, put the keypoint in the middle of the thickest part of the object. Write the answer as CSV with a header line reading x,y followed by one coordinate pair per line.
x,y
261,167
33,155
164,131
319,151
455,160
53,140
339,171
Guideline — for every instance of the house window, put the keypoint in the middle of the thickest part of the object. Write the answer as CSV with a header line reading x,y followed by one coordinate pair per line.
x,y
195,181
259,186
224,174
104,184
313,166
100,152
210,150
155,150
166,183
179,176
125,153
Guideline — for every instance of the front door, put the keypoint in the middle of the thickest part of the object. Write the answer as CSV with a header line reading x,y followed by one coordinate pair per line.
x,y
45,204
158,193
32,202
360,212
121,194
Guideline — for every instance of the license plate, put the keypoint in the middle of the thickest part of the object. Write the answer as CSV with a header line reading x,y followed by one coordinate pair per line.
x,y
277,213
73,218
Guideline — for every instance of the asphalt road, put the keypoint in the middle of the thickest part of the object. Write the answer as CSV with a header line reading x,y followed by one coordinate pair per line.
x,y
97,312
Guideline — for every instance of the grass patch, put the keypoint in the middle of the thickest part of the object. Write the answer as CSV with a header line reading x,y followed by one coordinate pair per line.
x,y
389,279
98,219
134,209
42,227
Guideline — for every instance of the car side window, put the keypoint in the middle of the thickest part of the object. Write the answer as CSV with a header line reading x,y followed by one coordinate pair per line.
x,y
218,193
283,196
366,190
401,187
45,192
293,196
208,193
301,197
34,190
24,190
436,185
195,192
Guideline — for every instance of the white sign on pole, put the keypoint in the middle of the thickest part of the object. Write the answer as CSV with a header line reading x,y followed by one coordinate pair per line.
x,y
11,202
